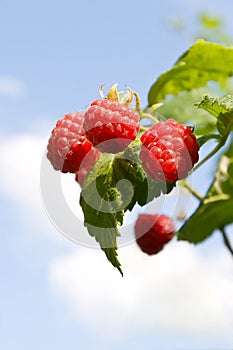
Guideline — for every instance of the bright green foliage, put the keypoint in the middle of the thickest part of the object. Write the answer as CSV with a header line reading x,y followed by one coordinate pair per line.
x,y
222,109
102,207
216,209
203,62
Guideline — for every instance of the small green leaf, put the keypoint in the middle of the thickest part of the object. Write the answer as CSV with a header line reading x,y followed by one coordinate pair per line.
x,y
203,62
215,210
102,207
222,109
215,105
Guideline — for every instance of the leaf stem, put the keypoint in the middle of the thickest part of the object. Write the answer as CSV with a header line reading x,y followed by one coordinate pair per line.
x,y
191,190
142,128
211,154
226,241
149,116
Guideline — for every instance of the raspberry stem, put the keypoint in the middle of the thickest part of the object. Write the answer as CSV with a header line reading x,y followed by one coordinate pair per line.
x,y
149,115
142,128
140,111
211,154
138,101
186,185
226,241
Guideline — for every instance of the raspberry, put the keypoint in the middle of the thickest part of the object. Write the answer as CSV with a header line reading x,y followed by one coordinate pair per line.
x,y
111,126
68,144
152,232
169,151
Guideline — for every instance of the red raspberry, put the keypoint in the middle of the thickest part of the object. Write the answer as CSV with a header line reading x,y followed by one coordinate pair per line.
x,y
152,232
169,151
111,126
68,144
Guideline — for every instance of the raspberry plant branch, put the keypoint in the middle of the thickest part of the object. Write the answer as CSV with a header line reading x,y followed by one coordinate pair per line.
x,y
119,161
211,154
144,114
186,185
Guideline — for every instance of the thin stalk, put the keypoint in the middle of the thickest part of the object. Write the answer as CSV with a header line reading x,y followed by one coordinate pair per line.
x,y
211,154
142,128
226,241
149,116
191,190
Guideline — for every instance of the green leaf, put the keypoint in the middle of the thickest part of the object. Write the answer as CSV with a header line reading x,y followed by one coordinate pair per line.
x,y
203,62
102,207
215,210
222,109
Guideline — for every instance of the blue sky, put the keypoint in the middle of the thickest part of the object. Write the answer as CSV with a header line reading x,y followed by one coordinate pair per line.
x,y
53,292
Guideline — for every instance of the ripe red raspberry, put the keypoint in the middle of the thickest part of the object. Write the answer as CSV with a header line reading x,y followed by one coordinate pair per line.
x,y
111,126
169,151
68,144
152,232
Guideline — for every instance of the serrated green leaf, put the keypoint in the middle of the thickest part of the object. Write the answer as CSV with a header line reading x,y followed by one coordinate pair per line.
x,y
102,207
216,209
222,109
203,62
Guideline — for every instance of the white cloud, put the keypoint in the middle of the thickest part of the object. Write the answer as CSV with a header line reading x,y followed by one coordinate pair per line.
x,y
23,158
20,168
177,292
11,86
